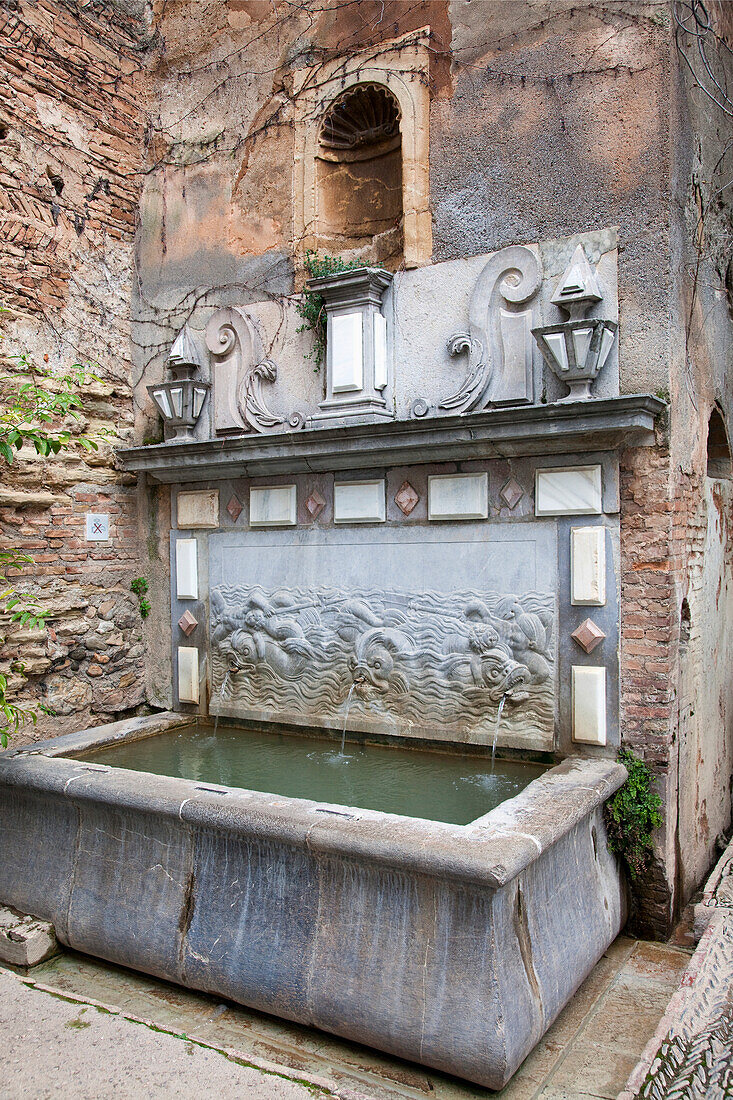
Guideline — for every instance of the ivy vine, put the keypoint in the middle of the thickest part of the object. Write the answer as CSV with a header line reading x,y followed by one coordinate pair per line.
x,y
312,307
633,814
140,586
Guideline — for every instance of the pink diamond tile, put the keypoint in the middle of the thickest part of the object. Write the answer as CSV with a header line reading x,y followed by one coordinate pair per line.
x,y
406,497
187,623
512,493
315,504
588,635
234,508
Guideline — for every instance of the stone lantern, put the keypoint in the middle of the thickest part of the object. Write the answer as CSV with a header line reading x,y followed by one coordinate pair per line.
x,y
576,350
181,400
357,366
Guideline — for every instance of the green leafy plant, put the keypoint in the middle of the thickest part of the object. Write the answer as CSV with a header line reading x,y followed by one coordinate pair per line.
x,y
633,814
311,305
36,406
140,586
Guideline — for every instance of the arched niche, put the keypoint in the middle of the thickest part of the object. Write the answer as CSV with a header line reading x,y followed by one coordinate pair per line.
x,y
400,67
359,174
718,448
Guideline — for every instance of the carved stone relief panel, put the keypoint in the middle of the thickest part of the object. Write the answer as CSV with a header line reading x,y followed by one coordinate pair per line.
x,y
364,635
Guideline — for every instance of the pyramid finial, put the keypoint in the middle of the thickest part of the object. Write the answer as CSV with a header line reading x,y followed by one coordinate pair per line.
x,y
578,288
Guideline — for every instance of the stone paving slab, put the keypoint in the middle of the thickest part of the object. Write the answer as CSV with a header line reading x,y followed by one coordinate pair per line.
x,y
55,1048
588,1052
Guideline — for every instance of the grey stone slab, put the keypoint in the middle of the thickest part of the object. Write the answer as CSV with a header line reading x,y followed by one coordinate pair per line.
x,y
560,428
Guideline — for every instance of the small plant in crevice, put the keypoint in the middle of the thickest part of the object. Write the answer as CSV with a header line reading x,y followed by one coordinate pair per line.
x,y
311,306
633,814
140,586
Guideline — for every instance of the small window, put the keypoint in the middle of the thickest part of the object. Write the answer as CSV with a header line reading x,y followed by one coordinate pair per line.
x,y
360,174
719,460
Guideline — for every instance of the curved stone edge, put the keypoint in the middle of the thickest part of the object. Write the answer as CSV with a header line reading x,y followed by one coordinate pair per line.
x,y
490,851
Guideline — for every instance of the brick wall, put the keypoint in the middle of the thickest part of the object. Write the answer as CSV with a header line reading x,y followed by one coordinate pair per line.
x,y
71,143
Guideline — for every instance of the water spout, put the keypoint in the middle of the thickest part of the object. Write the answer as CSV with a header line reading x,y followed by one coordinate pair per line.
x,y
346,718
496,729
222,689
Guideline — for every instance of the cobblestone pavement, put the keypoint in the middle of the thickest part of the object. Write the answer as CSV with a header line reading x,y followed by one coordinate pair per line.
x,y
78,1028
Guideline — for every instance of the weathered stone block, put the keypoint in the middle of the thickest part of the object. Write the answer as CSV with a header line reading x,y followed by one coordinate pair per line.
x,y
25,940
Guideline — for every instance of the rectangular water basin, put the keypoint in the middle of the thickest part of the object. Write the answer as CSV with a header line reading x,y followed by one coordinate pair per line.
x,y
440,786
454,945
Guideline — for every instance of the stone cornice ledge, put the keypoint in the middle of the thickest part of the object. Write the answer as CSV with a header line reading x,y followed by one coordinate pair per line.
x,y
561,428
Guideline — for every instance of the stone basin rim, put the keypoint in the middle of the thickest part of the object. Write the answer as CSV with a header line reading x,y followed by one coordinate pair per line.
x,y
489,851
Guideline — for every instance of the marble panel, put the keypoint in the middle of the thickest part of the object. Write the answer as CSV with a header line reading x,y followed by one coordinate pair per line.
x,y
273,506
187,575
458,496
198,509
413,631
588,566
188,674
568,491
359,502
589,704
380,351
347,360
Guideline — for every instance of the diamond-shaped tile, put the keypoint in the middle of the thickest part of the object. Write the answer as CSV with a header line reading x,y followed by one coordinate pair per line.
x,y
187,623
315,504
512,493
234,508
406,497
588,635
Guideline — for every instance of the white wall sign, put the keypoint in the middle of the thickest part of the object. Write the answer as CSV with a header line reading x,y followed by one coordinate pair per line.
x,y
568,491
347,359
588,566
359,502
97,527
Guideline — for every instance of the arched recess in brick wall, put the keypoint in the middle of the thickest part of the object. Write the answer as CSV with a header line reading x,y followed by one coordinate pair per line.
x,y
719,456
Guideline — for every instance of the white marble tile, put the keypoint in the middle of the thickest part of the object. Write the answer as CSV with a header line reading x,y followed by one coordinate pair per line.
x,y
588,566
273,506
187,573
197,509
458,496
358,502
188,674
347,359
568,491
380,351
589,704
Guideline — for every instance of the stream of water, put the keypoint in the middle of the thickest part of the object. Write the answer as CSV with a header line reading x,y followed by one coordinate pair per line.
x,y
499,713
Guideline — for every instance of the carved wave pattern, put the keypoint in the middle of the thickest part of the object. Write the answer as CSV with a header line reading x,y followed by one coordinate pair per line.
x,y
401,659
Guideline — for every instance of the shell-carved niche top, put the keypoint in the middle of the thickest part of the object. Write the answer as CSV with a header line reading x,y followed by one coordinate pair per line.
x,y
363,122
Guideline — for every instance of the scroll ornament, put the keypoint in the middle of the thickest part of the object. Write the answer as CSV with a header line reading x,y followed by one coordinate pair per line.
x,y
240,373
499,338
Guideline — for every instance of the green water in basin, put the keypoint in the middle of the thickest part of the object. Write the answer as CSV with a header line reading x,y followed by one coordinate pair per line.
x,y
413,782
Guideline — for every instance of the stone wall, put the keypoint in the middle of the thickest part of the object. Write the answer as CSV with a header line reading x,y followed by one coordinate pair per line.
x,y
71,147
546,120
